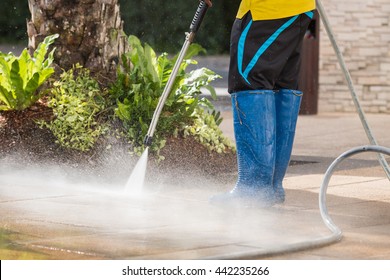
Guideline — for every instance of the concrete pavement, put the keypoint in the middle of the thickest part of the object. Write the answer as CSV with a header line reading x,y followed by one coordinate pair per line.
x,y
43,216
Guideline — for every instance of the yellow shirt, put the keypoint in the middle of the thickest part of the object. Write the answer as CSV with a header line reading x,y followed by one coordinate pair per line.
x,y
274,9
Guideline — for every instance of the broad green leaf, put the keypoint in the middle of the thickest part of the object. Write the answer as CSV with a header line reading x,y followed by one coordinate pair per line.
x,y
32,85
5,67
44,75
151,64
50,59
193,50
43,47
5,82
212,91
123,111
16,79
5,96
4,108
164,68
24,72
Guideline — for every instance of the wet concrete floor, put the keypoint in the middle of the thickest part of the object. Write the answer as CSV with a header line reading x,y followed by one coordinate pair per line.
x,y
44,218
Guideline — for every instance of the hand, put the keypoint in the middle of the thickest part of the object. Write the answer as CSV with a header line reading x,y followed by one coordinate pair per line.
x,y
208,2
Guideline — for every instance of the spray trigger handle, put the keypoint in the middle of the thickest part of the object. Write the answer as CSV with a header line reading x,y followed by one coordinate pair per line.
x,y
198,17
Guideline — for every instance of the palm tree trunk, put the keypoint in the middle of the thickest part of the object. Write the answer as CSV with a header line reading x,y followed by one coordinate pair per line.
x,y
91,32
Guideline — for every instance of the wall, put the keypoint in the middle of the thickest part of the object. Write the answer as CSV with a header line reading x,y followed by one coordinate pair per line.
x,y
362,30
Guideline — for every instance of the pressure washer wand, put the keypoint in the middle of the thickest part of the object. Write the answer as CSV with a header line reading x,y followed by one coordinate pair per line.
x,y
196,21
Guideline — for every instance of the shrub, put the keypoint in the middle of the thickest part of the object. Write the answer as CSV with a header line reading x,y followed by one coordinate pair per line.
x,y
140,83
76,100
22,76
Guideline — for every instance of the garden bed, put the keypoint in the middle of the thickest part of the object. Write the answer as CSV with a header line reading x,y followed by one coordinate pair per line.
x,y
23,144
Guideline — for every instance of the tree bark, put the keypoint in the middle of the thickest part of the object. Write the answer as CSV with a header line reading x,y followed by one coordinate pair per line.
x,y
91,32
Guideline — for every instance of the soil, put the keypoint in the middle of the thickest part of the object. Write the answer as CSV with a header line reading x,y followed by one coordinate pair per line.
x,y
24,145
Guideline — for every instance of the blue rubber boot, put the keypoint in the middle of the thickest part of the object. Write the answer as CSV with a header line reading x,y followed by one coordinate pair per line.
x,y
254,129
287,103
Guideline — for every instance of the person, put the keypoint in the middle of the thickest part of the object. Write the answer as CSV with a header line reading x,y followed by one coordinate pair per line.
x,y
265,46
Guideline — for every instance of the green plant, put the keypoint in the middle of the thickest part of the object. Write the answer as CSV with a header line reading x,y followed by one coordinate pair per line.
x,y
20,77
76,100
139,86
206,131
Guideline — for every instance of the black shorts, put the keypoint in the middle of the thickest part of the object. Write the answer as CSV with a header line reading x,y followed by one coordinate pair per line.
x,y
265,54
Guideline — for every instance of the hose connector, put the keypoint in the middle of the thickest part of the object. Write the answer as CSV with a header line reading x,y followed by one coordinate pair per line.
x,y
148,140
